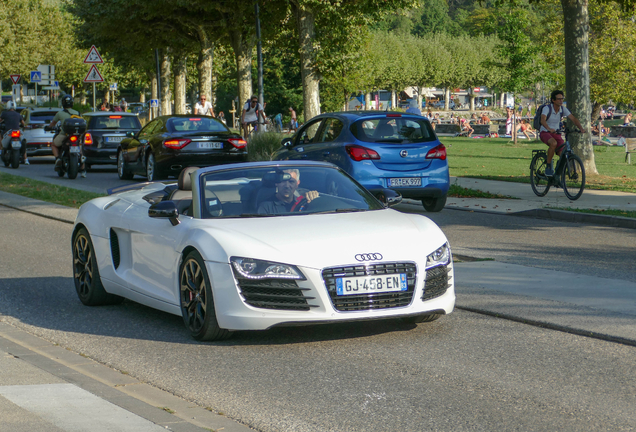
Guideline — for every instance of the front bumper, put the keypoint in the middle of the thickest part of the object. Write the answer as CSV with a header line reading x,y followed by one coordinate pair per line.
x,y
235,311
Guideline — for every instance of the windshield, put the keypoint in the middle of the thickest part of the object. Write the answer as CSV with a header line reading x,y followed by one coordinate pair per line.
x,y
396,130
114,122
196,124
282,191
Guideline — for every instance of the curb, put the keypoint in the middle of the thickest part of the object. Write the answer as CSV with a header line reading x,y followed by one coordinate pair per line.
x,y
578,217
151,403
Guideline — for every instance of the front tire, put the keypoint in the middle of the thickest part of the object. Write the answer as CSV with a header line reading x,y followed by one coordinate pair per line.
x,y
197,302
88,283
434,204
15,158
538,180
122,172
73,166
573,177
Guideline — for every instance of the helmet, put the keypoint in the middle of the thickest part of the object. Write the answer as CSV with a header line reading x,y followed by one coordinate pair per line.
x,y
10,105
67,101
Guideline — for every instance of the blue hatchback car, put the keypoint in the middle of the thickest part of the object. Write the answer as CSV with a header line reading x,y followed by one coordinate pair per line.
x,y
379,149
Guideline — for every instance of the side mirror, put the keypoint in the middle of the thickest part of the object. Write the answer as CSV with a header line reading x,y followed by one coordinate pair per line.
x,y
287,143
165,209
388,197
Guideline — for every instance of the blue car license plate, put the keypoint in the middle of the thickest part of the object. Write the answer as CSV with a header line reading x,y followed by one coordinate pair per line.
x,y
405,182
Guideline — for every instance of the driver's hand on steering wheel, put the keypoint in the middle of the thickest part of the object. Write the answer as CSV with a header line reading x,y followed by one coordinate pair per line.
x,y
311,195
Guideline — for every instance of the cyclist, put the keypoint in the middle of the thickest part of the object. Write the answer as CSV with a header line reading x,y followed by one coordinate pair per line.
x,y
550,119
251,111
66,113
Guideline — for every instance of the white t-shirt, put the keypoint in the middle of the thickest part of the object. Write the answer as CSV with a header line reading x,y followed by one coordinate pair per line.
x,y
250,113
555,118
205,109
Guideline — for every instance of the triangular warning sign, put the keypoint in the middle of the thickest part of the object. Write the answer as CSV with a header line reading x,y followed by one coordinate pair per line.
x,y
15,78
93,75
93,56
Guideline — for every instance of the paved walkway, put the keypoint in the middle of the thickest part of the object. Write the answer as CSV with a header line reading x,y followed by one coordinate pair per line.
x,y
47,388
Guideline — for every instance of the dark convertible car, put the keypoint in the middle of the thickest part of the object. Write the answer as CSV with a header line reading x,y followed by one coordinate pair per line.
x,y
167,144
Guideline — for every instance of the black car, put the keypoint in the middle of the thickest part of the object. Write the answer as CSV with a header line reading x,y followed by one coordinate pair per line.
x,y
167,144
104,131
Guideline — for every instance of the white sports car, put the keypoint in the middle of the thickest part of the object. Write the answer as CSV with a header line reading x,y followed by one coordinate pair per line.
x,y
256,245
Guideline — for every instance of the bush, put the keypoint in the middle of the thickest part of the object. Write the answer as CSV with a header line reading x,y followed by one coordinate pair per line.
x,y
262,146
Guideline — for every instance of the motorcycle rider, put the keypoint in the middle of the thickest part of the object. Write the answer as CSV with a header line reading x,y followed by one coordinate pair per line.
x,y
58,141
13,121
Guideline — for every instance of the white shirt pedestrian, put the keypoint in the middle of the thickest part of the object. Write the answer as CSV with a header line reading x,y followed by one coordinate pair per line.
x,y
203,107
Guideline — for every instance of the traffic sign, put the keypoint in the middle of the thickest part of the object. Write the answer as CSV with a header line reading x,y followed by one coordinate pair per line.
x,y
36,76
113,86
93,56
154,103
15,78
93,76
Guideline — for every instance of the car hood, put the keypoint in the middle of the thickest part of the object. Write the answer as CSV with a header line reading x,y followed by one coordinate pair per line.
x,y
323,240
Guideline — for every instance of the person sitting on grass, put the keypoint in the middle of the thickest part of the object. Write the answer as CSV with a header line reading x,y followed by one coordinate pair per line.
x,y
526,129
466,126
627,121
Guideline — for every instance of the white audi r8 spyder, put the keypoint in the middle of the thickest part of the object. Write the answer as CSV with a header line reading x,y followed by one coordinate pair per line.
x,y
252,246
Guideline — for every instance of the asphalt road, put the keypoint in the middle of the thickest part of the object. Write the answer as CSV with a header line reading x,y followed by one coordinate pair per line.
x,y
463,372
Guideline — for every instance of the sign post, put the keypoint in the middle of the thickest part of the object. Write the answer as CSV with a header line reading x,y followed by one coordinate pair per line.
x,y
36,77
93,74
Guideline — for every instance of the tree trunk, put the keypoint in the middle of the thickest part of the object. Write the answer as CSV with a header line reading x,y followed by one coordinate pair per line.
x,y
308,69
107,95
447,99
472,103
596,112
153,87
142,95
243,48
180,85
367,101
577,76
204,64
166,96
420,90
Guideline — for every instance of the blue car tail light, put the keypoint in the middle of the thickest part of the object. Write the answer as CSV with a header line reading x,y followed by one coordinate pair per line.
x,y
438,152
359,153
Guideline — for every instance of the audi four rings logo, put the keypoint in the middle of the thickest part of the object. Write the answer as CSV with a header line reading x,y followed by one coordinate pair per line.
x,y
369,257
404,153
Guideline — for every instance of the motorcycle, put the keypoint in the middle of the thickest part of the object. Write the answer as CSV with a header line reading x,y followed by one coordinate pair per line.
x,y
11,155
70,150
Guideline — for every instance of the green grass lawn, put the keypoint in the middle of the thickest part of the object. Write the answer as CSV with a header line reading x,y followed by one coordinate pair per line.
x,y
45,191
501,159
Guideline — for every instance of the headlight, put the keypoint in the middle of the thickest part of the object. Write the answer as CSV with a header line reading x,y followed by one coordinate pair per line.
x,y
257,269
440,257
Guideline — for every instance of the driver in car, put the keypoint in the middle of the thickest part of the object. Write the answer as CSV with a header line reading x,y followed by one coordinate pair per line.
x,y
285,200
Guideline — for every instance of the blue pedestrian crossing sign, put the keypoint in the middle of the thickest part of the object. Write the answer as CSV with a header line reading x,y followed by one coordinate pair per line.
x,y
36,76
154,103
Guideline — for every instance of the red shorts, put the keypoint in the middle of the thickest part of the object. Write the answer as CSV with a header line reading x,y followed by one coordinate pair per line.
x,y
545,137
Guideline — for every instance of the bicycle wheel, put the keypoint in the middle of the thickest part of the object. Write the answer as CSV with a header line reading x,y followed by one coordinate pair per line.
x,y
573,177
538,180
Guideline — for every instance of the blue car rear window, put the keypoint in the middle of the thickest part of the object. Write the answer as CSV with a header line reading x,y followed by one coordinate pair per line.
x,y
396,130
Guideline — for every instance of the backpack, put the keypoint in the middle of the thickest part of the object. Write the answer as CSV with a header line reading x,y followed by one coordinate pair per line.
x,y
536,122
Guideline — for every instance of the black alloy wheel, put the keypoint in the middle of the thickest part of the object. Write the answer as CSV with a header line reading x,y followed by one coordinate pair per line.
x,y
88,283
197,303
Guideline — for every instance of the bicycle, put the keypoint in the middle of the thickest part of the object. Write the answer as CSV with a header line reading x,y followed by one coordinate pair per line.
x,y
569,173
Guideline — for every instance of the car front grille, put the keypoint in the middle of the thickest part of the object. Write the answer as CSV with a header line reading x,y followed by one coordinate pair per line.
x,y
437,282
274,294
370,301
